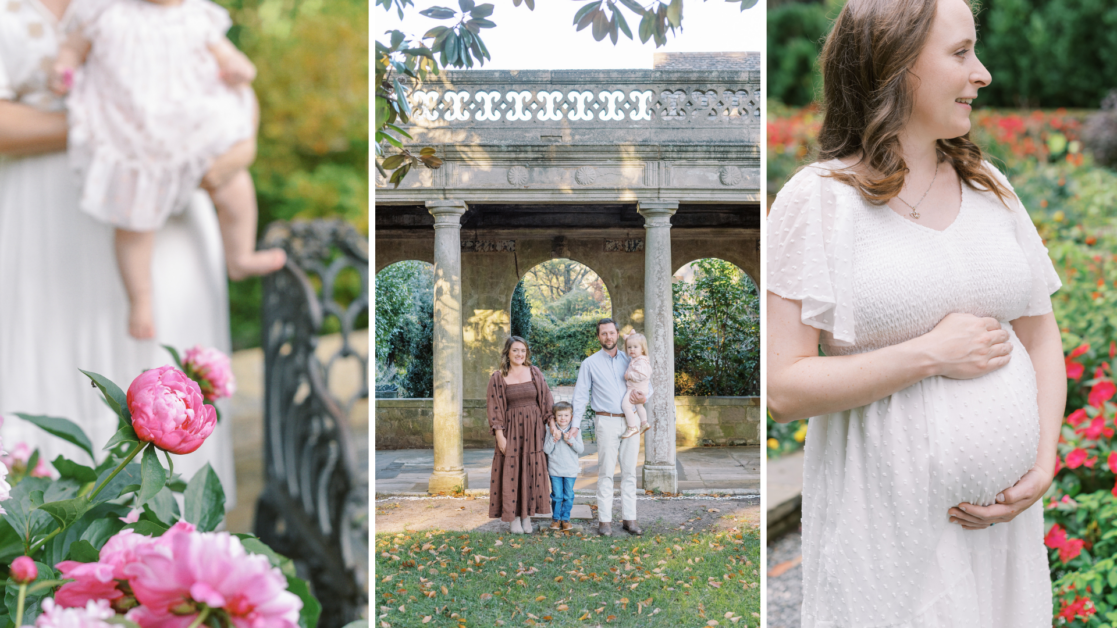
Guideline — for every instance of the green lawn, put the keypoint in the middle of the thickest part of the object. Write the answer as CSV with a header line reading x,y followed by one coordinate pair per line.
x,y
484,579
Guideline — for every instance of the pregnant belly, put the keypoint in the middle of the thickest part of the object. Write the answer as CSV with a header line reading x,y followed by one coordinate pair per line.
x,y
984,432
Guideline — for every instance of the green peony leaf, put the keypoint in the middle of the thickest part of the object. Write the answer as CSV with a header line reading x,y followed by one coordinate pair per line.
x,y
67,511
308,616
84,552
70,469
114,396
204,500
147,528
128,475
65,429
163,507
124,435
153,474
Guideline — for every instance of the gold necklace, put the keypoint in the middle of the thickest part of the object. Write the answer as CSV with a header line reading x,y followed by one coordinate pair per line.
x,y
914,214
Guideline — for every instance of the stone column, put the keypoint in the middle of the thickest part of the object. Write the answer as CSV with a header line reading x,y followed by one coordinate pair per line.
x,y
449,470
659,442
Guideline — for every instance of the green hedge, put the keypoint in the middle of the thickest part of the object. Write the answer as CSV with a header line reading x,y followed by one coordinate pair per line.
x,y
1041,53
558,347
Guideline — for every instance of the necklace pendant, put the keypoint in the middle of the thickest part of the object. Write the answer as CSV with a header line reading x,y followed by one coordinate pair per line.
x,y
914,214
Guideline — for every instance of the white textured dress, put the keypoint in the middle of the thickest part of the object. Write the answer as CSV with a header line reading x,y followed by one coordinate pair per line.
x,y
62,304
148,111
878,549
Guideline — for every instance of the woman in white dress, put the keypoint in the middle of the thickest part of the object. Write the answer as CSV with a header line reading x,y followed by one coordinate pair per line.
x,y
935,411
62,304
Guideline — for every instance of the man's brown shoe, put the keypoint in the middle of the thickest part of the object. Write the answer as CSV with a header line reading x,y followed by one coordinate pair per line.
x,y
605,528
566,525
556,525
631,527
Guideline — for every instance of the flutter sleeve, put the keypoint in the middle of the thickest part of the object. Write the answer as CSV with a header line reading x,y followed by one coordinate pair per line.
x,y
496,402
546,400
810,251
82,16
215,19
1045,281
640,369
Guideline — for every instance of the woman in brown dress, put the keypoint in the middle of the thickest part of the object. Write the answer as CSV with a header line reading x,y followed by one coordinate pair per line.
x,y
520,405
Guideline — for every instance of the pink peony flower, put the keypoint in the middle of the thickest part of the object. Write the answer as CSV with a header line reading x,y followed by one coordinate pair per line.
x,y
213,568
132,516
168,410
101,580
212,370
92,615
21,455
24,570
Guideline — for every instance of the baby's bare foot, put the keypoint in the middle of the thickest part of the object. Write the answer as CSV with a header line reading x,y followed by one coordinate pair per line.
x,y
141,321
257,263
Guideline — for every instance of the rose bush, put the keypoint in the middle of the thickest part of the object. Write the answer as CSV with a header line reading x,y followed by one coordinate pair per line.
x,y
106,542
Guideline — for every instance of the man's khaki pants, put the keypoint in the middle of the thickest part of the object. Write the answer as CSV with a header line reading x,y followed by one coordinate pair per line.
x,y
610,447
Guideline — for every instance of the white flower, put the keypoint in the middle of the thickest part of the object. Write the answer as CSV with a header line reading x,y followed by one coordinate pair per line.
x,y
92,616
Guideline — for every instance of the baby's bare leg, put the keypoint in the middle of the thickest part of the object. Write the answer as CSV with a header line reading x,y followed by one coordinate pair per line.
x,y
630,418
236,211
133,257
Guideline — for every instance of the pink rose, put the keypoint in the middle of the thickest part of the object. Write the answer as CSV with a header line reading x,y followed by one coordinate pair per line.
x,y
92,615
182,569
1101,392
168,410
212,370
24,570
1076,458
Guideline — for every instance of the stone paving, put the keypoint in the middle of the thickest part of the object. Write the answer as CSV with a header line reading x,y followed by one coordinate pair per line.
x,y
702,469
785,581
248,421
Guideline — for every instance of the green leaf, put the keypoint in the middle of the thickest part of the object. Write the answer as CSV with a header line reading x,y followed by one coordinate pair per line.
x,y
102,529
483,23
381,112
255,546
204,500
580,16
27,520
114,396
639,10
466,5
120,620
67,511
11,546
153,474
147,528
69,469
65,429
174,356
393,162
647,27
360,623
623,25
129,475
36,498
482,10
163,507
401,98
435,32
675,13
439,13
84,552
308,616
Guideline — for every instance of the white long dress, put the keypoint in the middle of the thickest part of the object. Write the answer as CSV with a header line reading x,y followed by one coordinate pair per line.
x,y
148,110
878,550
62,305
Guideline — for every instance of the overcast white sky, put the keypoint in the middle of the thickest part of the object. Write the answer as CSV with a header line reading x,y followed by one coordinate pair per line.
x,y
546,39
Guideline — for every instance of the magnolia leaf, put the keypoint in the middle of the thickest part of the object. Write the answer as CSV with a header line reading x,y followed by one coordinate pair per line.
x,y
65,429
439,13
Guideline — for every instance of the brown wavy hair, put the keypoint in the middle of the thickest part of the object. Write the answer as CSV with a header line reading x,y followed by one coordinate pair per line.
x,y
868,94
505,361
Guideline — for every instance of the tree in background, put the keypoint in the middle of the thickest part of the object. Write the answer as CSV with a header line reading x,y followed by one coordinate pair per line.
x,y
717,332
404,327
521,313
312,153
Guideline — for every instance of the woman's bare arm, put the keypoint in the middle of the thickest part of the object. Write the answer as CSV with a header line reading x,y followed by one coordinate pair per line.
x,y
801,384
27,131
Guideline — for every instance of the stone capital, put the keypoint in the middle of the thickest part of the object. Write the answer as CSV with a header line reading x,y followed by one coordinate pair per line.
x,y
447,213
657,213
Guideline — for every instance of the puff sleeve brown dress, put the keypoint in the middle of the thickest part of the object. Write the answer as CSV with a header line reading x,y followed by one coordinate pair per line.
x,y
519,485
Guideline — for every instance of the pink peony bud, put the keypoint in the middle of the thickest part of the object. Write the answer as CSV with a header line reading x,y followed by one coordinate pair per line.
x,y
168,409
212,370
24,570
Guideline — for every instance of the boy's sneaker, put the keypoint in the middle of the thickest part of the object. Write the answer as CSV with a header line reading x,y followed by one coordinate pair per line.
x,y
644,426
632,431
556,525
566,525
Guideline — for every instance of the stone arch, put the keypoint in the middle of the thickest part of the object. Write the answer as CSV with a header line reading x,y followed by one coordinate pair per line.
x,y
742,253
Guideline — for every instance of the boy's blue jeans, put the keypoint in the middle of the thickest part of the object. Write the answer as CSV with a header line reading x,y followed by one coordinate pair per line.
x,y
562,497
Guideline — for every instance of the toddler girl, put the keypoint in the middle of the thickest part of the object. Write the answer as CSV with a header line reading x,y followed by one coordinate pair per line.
x,y
636,377
156,94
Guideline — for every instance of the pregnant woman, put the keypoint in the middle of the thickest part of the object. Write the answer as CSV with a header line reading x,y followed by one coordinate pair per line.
x,y
63,305
935,411
519,405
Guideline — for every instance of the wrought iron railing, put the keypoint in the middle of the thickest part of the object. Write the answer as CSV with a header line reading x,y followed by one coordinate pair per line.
x,y
314,506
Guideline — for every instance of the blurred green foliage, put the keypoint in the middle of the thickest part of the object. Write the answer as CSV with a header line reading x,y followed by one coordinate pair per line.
x,y
312,151
1041,53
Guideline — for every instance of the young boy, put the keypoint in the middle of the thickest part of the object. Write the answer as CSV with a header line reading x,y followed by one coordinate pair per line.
x,y
562,451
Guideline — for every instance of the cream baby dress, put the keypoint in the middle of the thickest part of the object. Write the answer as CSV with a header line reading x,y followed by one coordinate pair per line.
x,y
878,549
148,111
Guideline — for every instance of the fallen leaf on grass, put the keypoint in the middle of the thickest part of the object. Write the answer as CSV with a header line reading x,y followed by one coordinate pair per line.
x,y
426,619
784,567
486,596
445,591
562,607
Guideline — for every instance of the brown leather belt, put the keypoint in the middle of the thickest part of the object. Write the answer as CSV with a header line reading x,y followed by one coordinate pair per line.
x,y
608,414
